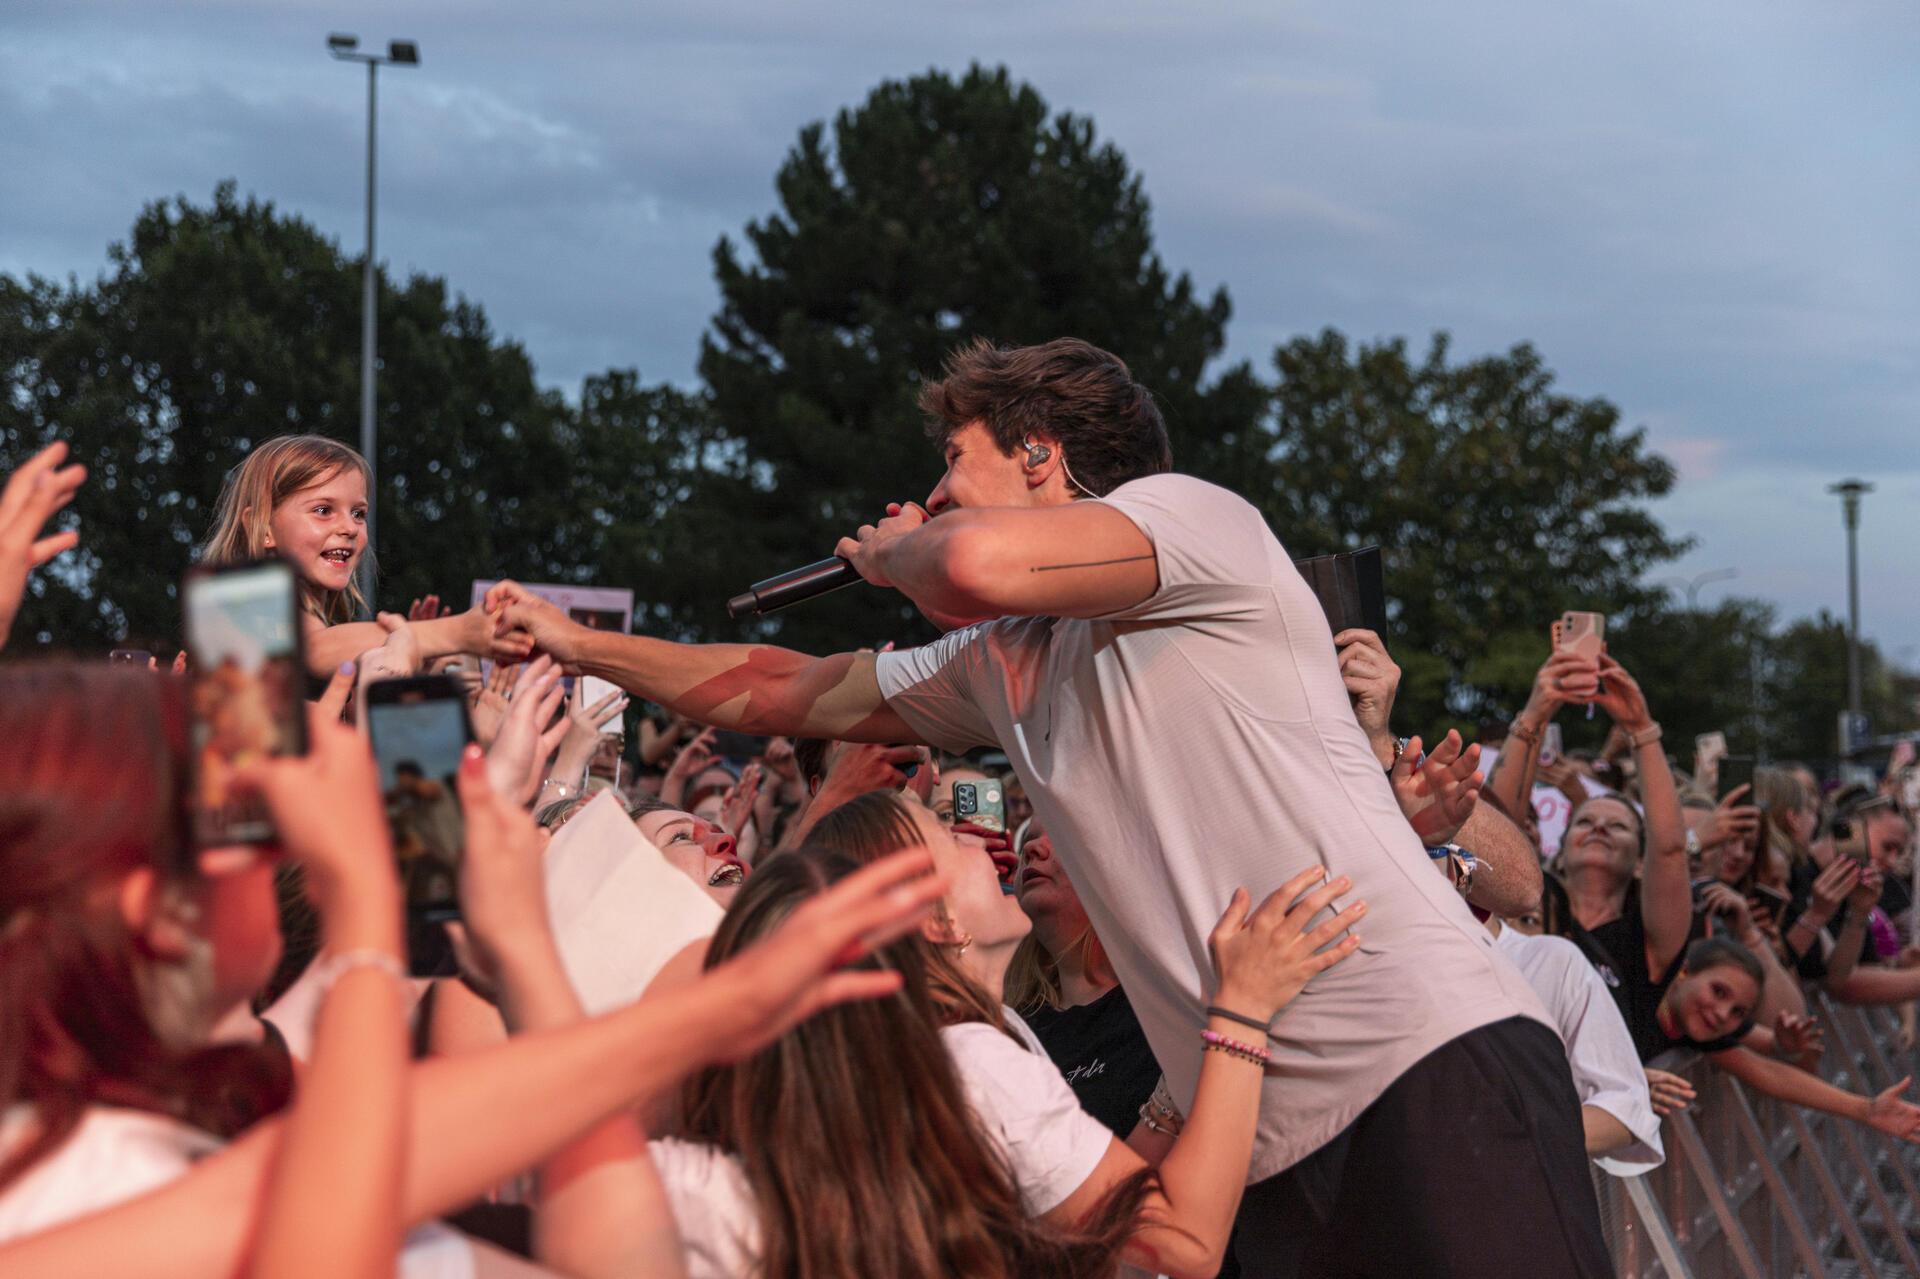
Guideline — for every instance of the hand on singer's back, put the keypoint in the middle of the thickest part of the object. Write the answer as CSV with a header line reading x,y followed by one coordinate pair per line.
x,y
1264,957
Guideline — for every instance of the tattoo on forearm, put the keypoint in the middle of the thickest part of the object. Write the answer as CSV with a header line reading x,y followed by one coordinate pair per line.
x,y
1054,568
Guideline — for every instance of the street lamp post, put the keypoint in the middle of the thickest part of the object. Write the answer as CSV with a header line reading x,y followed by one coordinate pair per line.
x,y
1851,491
400,53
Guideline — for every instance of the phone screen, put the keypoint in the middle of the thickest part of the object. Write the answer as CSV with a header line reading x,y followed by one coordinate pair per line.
x,y
243,634
419,727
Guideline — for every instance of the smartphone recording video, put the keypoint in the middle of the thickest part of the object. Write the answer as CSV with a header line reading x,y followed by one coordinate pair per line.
x,y
1735,771
980,804
243,635
419,727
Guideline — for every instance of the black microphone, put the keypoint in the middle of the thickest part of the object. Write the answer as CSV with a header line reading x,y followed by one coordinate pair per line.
x,y
793,586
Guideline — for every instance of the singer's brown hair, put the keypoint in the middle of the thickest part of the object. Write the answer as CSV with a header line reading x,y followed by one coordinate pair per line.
x,y
1104,423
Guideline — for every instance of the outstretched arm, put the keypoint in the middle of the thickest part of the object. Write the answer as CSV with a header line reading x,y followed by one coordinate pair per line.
x,y
1084,559
1885,1111
468,632
753,688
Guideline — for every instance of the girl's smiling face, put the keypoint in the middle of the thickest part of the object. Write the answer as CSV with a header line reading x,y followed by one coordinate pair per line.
x,y
322,529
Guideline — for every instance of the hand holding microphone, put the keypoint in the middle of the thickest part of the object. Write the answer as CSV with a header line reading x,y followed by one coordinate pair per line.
x,y
864,549
855,559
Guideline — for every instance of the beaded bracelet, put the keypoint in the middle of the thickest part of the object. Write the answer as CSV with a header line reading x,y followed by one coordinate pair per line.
x,y
333,967
1216,1042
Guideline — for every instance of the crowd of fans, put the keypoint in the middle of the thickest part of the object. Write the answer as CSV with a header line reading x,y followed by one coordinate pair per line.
x,y
920,1041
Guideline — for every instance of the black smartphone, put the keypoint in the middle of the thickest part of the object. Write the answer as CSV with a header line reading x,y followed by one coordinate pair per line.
x,y
249,675
130,656
1736,770
419,728
1351,588
1768,901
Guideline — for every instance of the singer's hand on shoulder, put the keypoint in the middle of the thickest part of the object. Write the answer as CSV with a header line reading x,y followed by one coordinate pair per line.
x,y
867,550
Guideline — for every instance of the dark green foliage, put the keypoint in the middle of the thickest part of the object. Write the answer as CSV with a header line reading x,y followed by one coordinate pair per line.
x,y
1498,503
944,209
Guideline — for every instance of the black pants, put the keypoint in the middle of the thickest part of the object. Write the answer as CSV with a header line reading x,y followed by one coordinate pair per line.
x,y
1473,1163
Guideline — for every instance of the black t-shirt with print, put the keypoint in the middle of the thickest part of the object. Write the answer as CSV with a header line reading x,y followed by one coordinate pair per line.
x,y
1636,991
1102,1051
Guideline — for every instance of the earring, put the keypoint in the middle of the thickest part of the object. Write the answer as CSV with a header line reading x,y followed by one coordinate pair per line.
x,y
956,935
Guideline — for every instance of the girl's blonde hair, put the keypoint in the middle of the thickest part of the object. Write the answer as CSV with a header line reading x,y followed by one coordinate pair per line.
x,y
270,474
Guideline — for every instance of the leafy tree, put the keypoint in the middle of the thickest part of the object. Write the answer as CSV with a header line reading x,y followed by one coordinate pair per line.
x,y
220,326
1704,670
1807,689
942,209
1498,504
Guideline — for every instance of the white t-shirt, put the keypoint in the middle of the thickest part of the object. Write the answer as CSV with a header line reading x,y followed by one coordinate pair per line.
x,y
1606,1069
1023,1104
116,1155
1202,741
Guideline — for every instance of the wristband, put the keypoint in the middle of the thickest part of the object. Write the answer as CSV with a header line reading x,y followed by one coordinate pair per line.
x,y
1215,1010
1645,737
1531,736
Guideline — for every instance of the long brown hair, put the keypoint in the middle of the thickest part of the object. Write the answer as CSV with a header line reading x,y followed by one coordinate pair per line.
x,y
1777,793
866,829
271,473
91,783
856,1135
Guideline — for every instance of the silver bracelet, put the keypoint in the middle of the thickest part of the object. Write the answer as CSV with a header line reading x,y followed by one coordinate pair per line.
x,y
332,968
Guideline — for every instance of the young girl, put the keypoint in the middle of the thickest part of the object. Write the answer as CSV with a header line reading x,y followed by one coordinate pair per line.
x,y
304,498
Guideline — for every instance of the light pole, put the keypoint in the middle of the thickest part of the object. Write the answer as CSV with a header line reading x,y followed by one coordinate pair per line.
x,y
1851,491
400,53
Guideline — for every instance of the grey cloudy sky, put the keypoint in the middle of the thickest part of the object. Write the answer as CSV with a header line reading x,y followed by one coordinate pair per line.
x,y
1701,211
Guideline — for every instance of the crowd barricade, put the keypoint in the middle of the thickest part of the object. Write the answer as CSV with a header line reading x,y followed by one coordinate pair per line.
x,y
1753,1188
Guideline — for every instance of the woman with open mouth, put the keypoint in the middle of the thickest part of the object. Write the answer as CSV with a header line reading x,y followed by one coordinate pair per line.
x,y
700,850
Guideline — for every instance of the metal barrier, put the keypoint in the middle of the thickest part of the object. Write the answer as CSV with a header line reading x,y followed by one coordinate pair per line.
x,y
1753,1188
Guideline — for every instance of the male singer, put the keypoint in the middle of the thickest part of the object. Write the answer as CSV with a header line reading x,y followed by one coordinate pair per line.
x,y
1166,687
